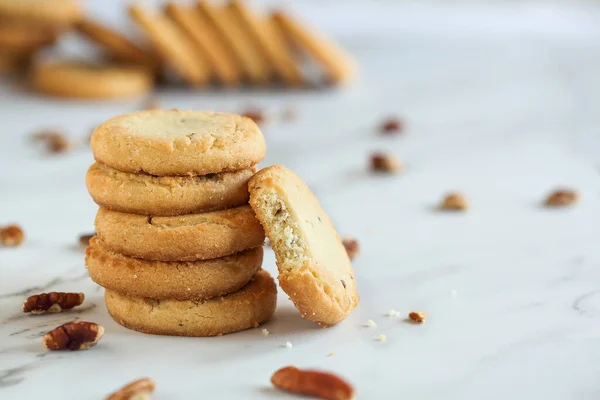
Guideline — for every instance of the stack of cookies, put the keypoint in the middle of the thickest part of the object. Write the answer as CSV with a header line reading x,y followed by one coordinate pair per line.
x,y
178,249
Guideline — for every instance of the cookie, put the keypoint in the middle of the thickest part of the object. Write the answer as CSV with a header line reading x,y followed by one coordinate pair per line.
x,y
116,44
23,38
248,56
270,44
337,64
185,238
222,64
11,62
166,195
74,79
51,13
247,308
172,45
174,142
314,268
171,280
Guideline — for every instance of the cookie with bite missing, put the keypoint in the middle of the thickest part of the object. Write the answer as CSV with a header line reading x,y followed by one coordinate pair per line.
x,y
176,142
314,268
244,309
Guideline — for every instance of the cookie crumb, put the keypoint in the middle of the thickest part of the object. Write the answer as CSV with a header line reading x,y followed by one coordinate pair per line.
x,y
289,113
454,202
265,332
561,198
330,354
288,345
370,324
352,246
417,316
11,235
382,338
255,115
381,162
392,126
392,313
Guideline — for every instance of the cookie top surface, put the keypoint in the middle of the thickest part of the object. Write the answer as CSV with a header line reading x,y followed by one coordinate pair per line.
x,y
314,268
56,13
174,142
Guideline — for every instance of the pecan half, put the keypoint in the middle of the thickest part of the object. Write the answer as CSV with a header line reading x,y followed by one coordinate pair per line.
x,y
11,235
322,385
352,246
454,202
52,302
255,115
417,316
140,389
76,335
392,126
381,162
54,141
84,240
561,198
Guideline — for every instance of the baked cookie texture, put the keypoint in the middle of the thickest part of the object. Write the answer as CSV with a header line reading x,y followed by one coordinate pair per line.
x,y
77,79
314,268
247,308
115,43
183,238
51,13
174,142
20,37
166,195
171,280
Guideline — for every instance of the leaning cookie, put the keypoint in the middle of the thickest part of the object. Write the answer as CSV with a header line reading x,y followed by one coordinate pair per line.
x,y
183,238
247,308
171,280
48,13
166,195
74,79
23,38
314,268
175,142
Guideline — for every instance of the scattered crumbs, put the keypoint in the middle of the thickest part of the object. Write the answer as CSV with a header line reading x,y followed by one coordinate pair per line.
x,y
391,126
255,115
561,198
382,338
352,247
289,114
370,324
385,163
392,313
288,345
330,354
417,316
454,202
265,332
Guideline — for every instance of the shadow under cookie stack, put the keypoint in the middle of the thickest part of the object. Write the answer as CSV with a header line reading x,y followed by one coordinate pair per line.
x,y
177,248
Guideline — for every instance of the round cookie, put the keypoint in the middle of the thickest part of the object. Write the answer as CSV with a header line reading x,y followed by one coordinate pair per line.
x,y
75,79
171,280
184,238
175,142
314,268
54,13
166,195
247,308
24,38
115,43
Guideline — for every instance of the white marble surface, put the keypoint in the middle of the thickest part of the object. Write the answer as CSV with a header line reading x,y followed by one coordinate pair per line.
x,y
503,111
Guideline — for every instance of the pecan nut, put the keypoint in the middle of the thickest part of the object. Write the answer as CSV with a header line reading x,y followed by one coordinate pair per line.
x,y
140,389
76,335
381,162
322,385
392,126
454,202
417,316
54,141
52,302
561,198
351,245
11,235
